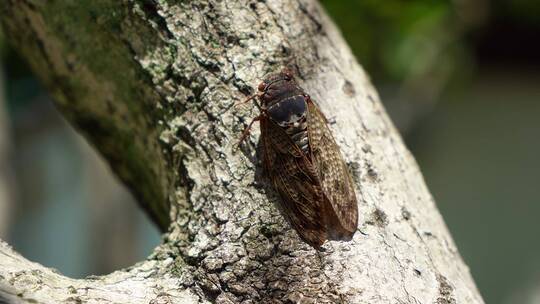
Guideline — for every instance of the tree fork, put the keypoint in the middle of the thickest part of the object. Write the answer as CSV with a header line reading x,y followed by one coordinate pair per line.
x,y
152,84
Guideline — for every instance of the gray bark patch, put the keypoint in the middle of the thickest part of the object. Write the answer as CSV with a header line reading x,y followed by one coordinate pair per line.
x,y
445,291
348,88
379,218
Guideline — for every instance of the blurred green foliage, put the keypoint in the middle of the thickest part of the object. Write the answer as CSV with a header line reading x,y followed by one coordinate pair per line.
x,y
21,86
394,39
400,41
522,11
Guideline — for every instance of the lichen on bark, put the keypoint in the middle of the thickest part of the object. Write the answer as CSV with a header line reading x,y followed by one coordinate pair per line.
x,y
152,85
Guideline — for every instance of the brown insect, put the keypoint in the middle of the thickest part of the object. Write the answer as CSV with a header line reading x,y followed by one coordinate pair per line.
x,y
304,163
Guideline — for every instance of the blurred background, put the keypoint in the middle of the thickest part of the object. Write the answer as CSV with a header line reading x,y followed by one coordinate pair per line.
x,y
460,79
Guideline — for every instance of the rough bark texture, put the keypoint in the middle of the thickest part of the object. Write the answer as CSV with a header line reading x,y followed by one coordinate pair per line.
x,y
151,83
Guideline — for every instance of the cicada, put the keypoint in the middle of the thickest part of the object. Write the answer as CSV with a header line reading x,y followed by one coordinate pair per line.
x,y
303,161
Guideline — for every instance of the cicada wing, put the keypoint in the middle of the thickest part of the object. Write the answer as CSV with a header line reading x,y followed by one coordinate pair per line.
x,y
293,178
334,177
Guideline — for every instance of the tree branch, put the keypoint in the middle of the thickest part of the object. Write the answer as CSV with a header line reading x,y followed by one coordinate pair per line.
x,y
152,83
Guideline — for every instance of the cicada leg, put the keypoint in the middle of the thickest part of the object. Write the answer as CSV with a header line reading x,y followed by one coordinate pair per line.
x,y
248,128
239,103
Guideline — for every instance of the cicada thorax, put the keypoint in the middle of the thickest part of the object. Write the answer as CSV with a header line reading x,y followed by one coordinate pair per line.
x,y
285,104
291,115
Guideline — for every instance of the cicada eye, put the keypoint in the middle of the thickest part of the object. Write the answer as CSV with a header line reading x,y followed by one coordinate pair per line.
x,y
261,86
288,75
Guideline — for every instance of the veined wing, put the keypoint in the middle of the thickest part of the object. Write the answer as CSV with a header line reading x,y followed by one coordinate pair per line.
x,y
334,177
294,178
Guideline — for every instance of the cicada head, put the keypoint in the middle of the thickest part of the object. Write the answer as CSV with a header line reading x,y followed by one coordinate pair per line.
x,y
278,86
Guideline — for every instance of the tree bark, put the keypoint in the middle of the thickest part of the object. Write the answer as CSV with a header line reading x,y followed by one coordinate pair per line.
x,y
152,83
